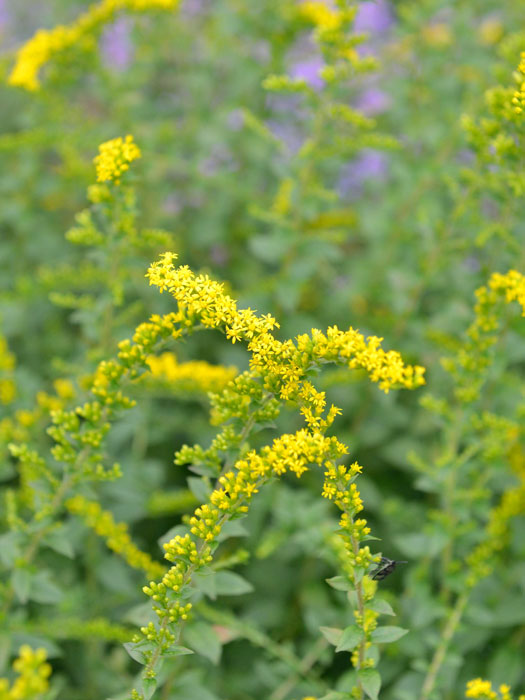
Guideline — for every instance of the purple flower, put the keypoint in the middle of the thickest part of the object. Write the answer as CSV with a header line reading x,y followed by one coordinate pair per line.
x,y
369,165
373,17
116,44
308,70
289,134
4,14
372,101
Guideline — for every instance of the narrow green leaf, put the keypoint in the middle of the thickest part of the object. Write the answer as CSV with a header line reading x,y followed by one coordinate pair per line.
x,y
352,598
388,634
149,685
21,581
332,634
136,652
340,583
371,682
177,651
359,572
10,546
200,488
380,606
350,638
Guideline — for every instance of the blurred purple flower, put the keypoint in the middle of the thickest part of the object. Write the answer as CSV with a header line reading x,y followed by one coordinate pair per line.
x,y
235,120
369,165
194,7
308,70
373,101
4,14
116,44
373,17
289,134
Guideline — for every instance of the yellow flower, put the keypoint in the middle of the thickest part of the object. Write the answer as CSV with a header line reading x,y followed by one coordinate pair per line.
x,y
321,15
490,31
437,34
190,376
45,43
115,534
114,158
33,676
518,99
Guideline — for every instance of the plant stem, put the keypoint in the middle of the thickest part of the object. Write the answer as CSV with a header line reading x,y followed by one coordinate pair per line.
x,y
441,651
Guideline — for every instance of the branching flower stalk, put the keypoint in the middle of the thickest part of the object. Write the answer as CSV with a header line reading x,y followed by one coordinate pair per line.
x,y
469,368
281,370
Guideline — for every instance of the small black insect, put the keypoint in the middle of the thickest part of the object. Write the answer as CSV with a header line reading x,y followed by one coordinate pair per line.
x,y
385,568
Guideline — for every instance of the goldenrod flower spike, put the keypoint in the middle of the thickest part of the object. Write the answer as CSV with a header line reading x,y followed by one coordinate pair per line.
x,y
283,365
36,52
114,158
33,673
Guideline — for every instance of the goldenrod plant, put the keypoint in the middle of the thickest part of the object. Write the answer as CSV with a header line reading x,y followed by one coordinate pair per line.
x,y
224,491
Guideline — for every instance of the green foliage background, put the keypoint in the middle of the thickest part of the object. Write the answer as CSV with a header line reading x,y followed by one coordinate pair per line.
x,y
399,256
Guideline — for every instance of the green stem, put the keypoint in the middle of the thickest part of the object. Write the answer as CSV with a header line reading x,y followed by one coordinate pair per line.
x,y
441,651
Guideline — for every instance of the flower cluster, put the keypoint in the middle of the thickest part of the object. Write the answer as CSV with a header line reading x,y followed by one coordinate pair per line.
x,y
114,158
279,369
33,673
116,534
47,43
231,499
321,15
189,377
483,690
518,99
496,532
469,366
284,365
7,364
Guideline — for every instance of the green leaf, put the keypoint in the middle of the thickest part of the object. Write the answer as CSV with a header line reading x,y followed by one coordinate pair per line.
x,y
136,650
140,615
177,651
380,606
44,590
149,685
350,638
21,581
60,541
9,548
371,682
332,634
388,634
359,572
232,528
205,581
203,639
340,583
352,598
200,488
228,583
